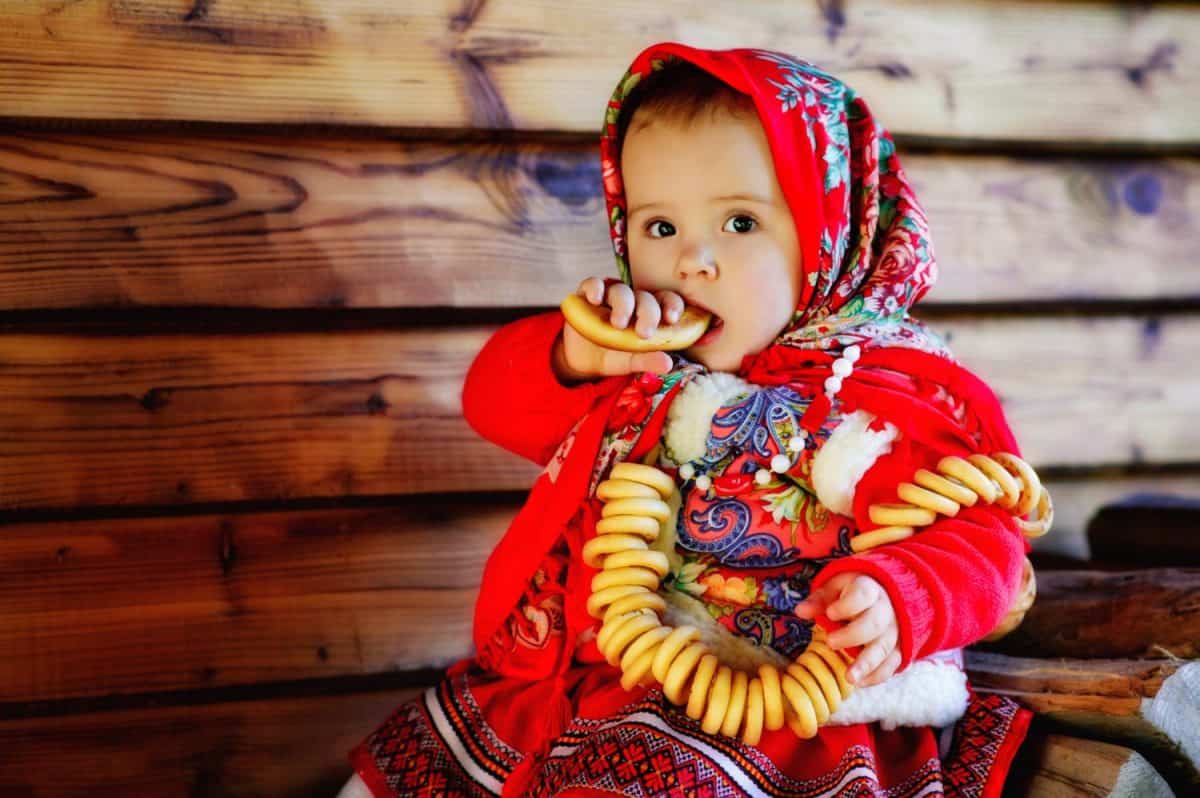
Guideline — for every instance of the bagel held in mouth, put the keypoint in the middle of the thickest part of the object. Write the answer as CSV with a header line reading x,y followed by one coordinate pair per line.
x,y
592,323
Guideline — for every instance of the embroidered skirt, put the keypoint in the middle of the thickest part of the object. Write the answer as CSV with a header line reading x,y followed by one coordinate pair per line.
x,y
581,734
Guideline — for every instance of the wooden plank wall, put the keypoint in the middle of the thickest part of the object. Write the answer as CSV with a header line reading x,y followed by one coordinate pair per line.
x,y
248,249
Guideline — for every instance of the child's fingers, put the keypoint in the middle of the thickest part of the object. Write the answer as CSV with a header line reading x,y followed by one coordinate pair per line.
x,y
814,605
809,609
862,592
865,628
818,600
870,658
648,314
885,671
658,362
672,305
592,289
621,300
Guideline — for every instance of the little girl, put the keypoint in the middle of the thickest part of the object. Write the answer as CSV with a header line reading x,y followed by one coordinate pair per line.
x,y
756,186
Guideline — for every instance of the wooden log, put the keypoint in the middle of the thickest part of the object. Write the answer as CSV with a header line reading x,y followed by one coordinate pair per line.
x,y
355,222
170,420
1058,766
977,73
1105,686
1150,706
1166,527
1094,614
1078,499
292,745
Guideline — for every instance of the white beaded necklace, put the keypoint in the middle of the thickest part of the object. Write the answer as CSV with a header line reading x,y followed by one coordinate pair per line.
x,y
698,406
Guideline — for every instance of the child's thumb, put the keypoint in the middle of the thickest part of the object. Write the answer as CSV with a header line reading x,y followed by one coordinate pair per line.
x,y
658,362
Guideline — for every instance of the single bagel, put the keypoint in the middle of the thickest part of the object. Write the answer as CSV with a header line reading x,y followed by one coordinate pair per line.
x,y
592,323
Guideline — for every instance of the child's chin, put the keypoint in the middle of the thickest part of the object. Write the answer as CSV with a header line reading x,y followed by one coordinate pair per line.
x,y
713,361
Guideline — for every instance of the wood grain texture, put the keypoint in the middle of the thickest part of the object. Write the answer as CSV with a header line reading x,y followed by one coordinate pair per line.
x,y
178,419
1059,766
226,600
1154,612
999,70
290,747
129,220
249,598
1106,686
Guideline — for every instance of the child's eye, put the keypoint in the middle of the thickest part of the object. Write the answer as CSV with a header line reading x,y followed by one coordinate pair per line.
x,y
742,229
650,227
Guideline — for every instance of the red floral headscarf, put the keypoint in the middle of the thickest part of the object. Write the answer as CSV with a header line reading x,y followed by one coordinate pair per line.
x,y
865,249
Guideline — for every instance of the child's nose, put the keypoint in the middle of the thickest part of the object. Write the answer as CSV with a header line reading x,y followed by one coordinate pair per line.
x,y
695,261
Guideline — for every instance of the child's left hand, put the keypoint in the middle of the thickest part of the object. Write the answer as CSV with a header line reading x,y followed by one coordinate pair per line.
x,y
858,596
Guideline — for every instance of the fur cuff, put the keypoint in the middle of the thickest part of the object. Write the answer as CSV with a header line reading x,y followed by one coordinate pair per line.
x,y
689,418
928,692
851,449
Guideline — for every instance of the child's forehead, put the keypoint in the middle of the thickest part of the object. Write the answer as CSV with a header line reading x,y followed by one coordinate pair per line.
x,y
732,163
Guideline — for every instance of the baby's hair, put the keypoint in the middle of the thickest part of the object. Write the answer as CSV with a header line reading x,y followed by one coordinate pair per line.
x,y
679,92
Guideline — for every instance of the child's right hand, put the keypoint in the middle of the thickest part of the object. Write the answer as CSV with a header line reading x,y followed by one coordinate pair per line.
x,y
577,358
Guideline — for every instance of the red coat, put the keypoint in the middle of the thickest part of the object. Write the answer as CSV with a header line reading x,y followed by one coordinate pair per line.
x,y
532,713
950,585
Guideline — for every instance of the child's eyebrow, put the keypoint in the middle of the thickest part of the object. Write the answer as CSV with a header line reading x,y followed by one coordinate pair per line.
x,y
750,197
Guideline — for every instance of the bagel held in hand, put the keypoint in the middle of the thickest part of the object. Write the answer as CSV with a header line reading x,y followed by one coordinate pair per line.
x,y
610,330
592,323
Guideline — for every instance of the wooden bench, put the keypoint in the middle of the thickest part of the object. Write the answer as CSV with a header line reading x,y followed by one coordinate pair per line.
x,y
247,252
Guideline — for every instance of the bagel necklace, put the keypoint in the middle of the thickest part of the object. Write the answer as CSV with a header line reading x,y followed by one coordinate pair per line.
x,y
641,503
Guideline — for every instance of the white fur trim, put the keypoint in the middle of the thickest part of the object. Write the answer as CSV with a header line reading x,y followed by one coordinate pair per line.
x,y
689,418
926,693
845,456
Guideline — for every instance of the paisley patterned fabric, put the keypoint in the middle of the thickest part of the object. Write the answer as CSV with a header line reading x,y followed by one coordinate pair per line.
x,y
750,551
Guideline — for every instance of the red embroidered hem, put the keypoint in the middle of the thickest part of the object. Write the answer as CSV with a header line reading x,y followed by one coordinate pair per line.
x,y
461,738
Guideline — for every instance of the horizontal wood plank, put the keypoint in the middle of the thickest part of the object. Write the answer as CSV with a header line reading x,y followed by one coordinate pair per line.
x,y
229,600
1169,537
127,220
292,747
178,419
1003,69
234,599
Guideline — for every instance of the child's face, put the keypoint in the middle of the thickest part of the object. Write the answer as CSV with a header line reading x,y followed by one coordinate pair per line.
x,y
740,258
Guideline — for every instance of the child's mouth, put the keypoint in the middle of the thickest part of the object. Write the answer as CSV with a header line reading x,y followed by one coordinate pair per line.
x,y
714,331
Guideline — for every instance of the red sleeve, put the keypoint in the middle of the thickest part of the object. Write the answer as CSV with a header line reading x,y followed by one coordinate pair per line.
x,y
512,397
950,584
953,581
